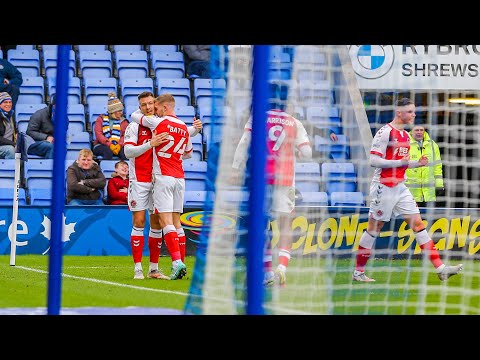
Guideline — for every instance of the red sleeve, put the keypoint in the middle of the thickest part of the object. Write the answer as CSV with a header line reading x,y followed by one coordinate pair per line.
x,y
115,196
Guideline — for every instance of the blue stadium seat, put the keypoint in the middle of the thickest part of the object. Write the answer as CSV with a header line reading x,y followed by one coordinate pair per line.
x,y
339,177
6,196
40,196
131,64
125,47
195,198
314,93
76,118
197,142
314,198
179,88
280,66
49,48
163,48
78,141
130,88
185,113
324,117
339,150
91,47
195,174
50,63
7,168
74,89
168,65
97,88
25,47
95,64
38,173
108,167
209,92
23,114
307,171
32,90
347,198
27,61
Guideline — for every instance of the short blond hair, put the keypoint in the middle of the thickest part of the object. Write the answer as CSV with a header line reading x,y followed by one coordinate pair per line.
x,y
85,153
165,99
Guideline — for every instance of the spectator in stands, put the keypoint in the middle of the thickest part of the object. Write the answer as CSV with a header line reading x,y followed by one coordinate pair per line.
x,y
85,181
8,127
40,128
117,187
425,183
10,80
197,60
110,131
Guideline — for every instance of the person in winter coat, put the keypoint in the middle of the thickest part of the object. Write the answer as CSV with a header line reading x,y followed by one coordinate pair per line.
x,y
117,187
85,181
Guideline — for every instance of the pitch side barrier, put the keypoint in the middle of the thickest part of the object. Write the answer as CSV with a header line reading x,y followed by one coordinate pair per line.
x,y
105,230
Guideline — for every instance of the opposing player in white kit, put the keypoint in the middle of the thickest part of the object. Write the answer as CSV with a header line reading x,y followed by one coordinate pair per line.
x,y
389,195
286,139
139,143
169,177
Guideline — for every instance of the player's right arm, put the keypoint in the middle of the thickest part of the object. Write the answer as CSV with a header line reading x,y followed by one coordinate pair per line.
x,y
150,121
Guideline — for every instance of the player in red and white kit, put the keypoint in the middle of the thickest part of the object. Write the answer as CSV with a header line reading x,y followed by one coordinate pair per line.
x,y
169,177
389,195
287,139
139,144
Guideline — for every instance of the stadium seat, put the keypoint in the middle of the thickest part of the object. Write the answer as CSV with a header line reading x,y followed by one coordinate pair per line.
x,y
25,47
313,198
338,150
97,88
23,114
163,48
131,65
195,174
195,198
205,91
130,88
40,196
185,113
125,47
76,118
27,61
6,196
348,198
314,93
91,47
95,64
339,177
49,48
168,65
39,173
307,176
32,90
324,117
197,142
74,89
280,66
7,168
50,63
108,167
78,141
179,88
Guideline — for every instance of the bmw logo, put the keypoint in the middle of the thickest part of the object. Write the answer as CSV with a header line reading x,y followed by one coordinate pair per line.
x,y
372,61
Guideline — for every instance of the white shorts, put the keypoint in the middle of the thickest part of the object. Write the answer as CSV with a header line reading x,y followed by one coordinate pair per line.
x,y
140,196
386,201
283,198
168,194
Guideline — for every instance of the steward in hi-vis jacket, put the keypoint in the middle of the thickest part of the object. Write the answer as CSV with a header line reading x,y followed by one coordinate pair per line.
x,y
427,181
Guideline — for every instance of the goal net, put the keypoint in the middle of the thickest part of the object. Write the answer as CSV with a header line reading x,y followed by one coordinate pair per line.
x,y
348,91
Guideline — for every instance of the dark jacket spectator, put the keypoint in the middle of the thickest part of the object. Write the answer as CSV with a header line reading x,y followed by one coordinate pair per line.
x,y
40,128
10,80
8,127
198,60
117,188
85,180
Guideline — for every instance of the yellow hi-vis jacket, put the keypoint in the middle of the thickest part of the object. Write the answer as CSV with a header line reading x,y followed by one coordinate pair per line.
x,y
422,181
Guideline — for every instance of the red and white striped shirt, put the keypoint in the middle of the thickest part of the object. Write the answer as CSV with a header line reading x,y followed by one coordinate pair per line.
x,y
140,167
